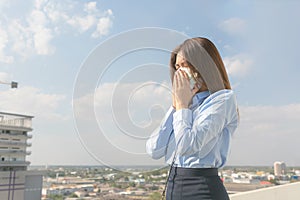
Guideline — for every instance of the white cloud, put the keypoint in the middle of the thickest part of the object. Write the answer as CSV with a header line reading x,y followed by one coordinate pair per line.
x,y
42,40
135,99
126,106
4,77
21,39
91,7
4,3
270,118
87,20
103,26
233,26
32,32
33,101
261,137
39,4
238,65
82,23
132,99
41,34
267,134
3,43
126,113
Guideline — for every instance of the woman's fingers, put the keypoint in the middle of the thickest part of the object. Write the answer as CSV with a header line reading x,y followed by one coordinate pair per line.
x,y
174,90
184,80
182,94
178,79
175,82
185,74
181,79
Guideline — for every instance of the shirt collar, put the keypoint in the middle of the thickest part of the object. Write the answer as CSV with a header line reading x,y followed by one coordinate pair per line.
x,y
198,98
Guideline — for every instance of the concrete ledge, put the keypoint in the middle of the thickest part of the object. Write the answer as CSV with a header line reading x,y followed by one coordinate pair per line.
x,y
281,192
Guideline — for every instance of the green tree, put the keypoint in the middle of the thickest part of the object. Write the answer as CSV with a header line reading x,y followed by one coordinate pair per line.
x,y
73,196
56,197
132,184
155,196
274,181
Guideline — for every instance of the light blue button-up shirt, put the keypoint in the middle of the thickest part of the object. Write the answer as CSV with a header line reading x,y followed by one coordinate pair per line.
x,y
200,135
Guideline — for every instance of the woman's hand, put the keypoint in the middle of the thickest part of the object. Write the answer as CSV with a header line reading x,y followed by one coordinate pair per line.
x,y
182,94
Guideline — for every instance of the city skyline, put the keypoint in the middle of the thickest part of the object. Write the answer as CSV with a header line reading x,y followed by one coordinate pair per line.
x,y
43,45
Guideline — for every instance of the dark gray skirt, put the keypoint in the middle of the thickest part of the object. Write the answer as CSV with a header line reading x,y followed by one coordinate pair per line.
x,y
195,184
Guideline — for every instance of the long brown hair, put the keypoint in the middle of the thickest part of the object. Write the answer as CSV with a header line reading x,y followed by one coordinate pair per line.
x,y
203,56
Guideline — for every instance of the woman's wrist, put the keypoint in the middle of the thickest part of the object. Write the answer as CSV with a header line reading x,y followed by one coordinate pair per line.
x,y
180,106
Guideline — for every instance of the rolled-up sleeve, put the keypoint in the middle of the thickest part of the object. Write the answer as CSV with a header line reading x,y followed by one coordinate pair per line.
x,y
157,143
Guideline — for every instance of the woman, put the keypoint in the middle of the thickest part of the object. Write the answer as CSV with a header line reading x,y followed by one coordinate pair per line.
x,y
195,134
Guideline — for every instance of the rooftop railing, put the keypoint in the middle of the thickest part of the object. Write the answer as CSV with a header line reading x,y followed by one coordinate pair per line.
x,y
11,142
24,123
14,151
14,163
15,120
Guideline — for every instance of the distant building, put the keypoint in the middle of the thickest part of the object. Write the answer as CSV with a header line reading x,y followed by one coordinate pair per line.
x,y
16,182
279,168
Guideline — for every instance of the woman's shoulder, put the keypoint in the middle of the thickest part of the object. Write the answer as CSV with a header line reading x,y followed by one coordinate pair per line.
x,y
220,100
222,95
221,103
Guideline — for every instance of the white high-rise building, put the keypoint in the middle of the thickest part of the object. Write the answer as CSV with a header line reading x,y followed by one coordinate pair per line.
x,y
279,168
16,182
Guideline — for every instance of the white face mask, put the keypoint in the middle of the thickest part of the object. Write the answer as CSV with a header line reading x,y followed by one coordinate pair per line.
x,y
191,78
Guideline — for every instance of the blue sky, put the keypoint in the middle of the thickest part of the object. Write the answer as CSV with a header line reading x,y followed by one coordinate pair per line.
x,y
43,45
